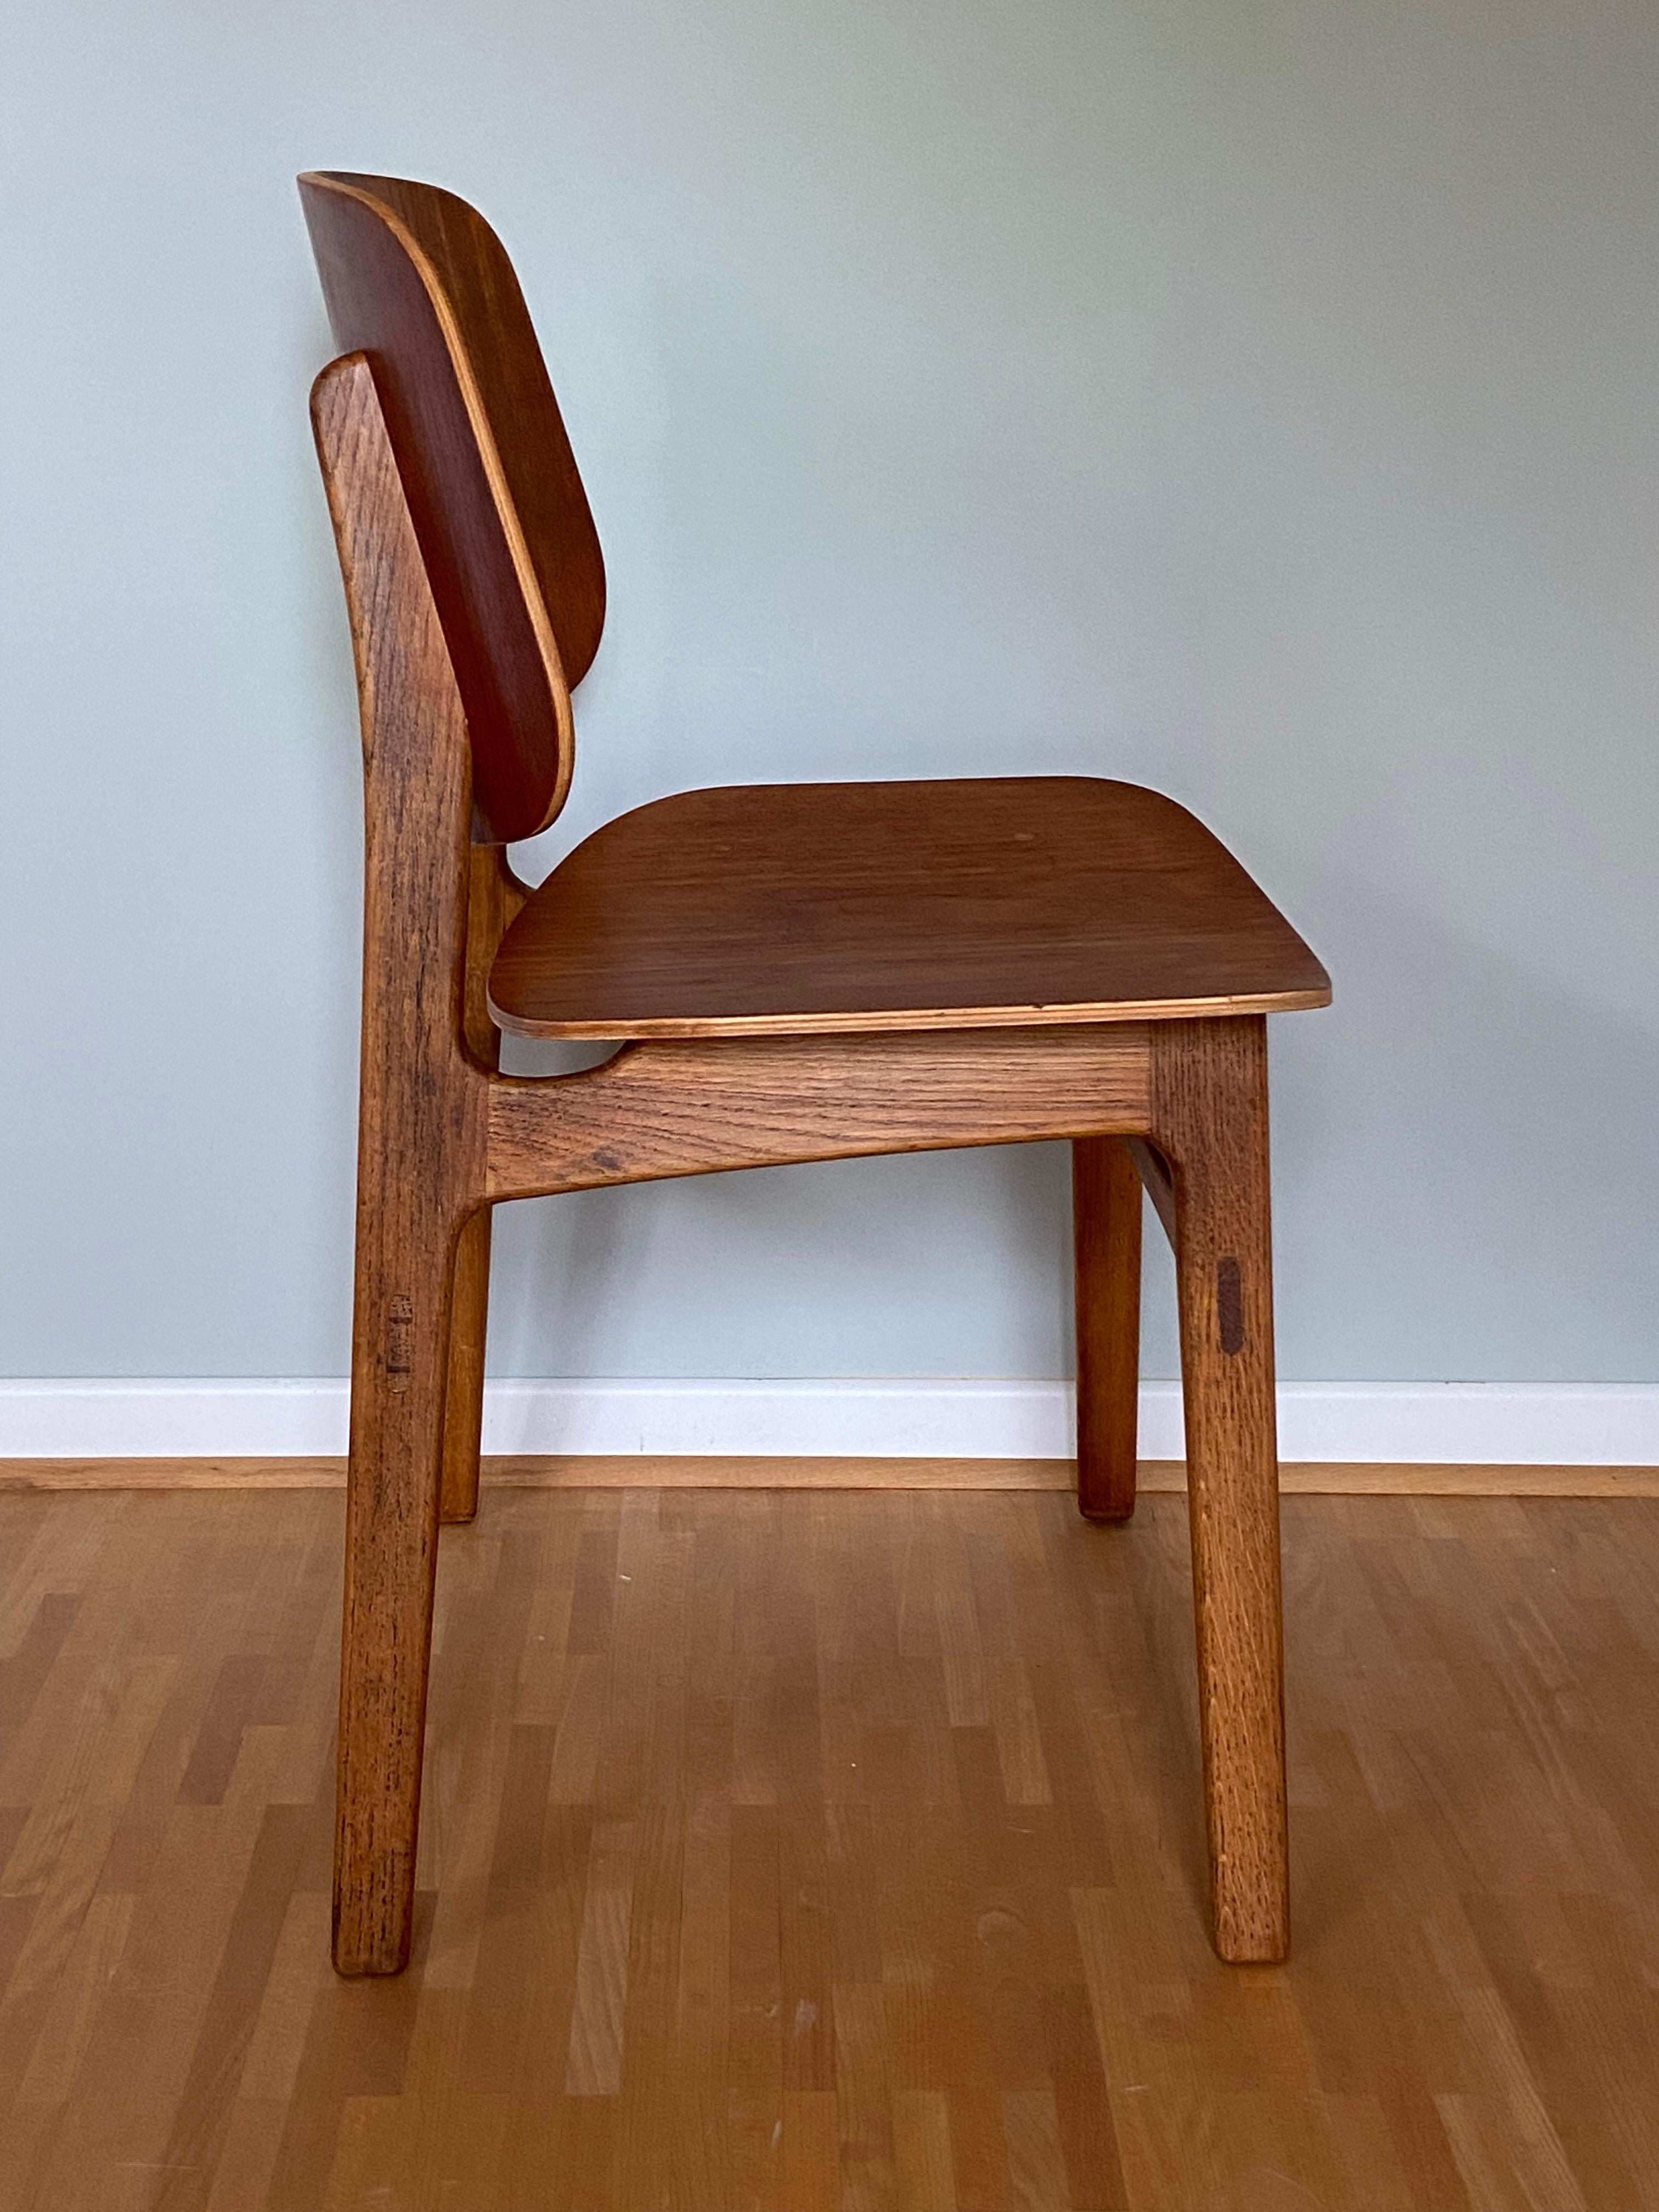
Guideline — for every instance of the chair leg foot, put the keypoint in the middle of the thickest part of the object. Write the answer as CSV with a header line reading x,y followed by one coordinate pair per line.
x,y
1211,1105
1106,1214
399,1359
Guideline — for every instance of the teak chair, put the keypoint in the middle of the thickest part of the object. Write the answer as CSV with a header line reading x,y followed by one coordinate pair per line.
x,y
792,972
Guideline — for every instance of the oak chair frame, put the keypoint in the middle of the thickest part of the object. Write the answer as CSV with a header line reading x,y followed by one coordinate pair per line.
x,y
1178,1106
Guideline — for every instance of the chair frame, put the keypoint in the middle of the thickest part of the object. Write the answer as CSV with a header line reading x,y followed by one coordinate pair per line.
x,y
1179,1105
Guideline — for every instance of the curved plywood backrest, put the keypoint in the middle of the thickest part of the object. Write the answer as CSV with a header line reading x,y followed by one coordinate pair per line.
x,y
417,281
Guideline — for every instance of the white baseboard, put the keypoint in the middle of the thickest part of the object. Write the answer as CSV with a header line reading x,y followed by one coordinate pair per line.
x,y
1516,1424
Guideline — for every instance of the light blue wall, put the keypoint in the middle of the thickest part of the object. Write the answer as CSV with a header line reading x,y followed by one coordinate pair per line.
x,y
1256,397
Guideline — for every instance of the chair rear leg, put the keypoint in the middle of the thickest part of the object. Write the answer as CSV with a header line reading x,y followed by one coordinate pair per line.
x,y
468,1316
492,897
422,1146
400,1363
1210,1107
1106,1209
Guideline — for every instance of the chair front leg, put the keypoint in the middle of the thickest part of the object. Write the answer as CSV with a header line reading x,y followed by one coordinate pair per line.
x,y
1106,1209
1210,1119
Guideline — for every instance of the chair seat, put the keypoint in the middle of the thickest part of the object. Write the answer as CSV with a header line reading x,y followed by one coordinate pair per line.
x,y
780,908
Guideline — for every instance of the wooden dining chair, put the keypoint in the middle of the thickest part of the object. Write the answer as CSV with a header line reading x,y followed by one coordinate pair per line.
x,y
790,972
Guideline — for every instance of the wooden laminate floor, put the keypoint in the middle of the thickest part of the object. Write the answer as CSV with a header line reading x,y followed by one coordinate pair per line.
x,y
818,1850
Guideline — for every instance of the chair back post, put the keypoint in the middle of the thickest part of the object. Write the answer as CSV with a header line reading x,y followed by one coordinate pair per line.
x,y
417,798
421,1155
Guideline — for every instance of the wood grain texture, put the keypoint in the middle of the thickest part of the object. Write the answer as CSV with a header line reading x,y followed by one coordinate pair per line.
x,y
639,1471
1155,1179
420,1159
1210,1123
676,1109
810,1850
416,279
1106,1207
858,906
